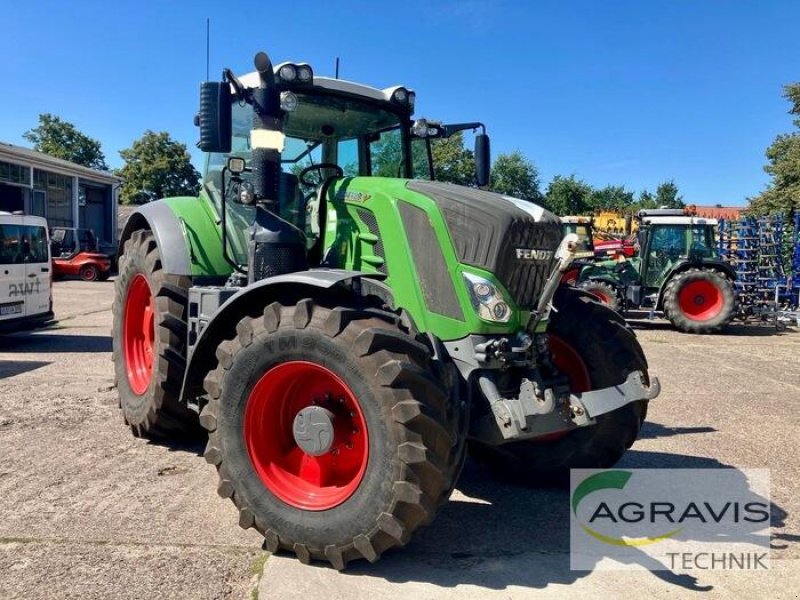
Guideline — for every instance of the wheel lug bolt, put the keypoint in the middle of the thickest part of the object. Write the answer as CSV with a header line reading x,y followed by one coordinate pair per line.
x,y
349,445
341,400
352,413
355,431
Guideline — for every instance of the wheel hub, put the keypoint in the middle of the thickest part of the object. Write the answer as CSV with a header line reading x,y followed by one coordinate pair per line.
x,y
313,430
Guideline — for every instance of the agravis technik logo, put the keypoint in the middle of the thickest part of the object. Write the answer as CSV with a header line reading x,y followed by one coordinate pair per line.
x,y
658,518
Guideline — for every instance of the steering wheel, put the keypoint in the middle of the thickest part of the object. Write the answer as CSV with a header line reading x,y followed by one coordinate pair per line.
x,y
318,167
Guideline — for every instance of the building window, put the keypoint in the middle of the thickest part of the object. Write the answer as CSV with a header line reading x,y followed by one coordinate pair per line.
x,y
59,196
11,173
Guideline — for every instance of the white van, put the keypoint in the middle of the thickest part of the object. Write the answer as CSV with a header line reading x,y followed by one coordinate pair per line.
x,y
26,296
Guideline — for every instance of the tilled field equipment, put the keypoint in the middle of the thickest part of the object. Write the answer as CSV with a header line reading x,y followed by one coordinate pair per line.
x,y
345,337
765,253
678,271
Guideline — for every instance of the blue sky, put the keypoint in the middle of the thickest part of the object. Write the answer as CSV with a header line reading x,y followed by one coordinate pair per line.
x,y
621,92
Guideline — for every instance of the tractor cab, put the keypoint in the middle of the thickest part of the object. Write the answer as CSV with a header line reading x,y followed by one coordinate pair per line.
x,y
667,240
583,228
329,129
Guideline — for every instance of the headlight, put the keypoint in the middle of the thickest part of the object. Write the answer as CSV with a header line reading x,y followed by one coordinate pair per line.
x,y
288,101
288,73
304,74
487,300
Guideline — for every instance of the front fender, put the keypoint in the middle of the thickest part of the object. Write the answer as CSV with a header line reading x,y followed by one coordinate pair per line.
x,y
252,300
187,234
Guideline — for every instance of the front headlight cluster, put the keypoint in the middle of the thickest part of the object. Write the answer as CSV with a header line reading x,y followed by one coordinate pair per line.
x,y
291,73
487,300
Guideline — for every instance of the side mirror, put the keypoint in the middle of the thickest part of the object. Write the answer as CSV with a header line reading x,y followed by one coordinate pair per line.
x,y
483,161
215,117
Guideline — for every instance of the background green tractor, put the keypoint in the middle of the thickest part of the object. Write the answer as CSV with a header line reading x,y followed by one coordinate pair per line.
x,y
345,336
677,270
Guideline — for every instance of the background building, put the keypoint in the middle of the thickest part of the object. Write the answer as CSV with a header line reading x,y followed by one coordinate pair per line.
x,y
65,193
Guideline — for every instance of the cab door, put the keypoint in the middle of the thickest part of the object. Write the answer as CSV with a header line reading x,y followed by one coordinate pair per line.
x,y
36,245
12,272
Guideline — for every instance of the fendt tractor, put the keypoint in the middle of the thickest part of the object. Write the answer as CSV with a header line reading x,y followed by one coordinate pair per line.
x,y
345,337
678,271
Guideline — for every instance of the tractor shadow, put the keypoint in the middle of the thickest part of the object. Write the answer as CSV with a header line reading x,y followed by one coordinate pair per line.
x,y
54,343
495,535
639,321
652,430
10,368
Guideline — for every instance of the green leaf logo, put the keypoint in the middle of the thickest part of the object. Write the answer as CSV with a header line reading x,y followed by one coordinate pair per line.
x,y
616,480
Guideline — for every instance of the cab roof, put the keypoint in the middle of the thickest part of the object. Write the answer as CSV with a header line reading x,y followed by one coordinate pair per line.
x,y
337,85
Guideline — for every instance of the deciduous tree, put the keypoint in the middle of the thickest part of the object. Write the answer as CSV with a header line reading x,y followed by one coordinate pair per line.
x,y
61,139
156,166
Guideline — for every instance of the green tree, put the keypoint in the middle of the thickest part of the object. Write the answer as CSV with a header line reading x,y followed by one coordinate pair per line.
x,y
568,196
612,197
156,166
515,175
63,140
453,161
783,191
646,200
667,195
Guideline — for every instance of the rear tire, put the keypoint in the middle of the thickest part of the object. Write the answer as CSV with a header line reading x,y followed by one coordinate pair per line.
x,y
699,301
410,458
603,292
609,351
150,358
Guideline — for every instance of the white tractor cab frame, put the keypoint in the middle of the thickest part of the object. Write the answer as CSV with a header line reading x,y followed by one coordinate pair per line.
x,y
26,298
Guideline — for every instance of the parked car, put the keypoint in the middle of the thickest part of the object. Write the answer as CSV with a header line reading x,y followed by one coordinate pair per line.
x,y
26,299
75,254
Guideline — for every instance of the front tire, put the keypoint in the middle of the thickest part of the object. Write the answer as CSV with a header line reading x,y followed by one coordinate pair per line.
x,y
603,292
149,343
699,301
89,273
391,451
592,345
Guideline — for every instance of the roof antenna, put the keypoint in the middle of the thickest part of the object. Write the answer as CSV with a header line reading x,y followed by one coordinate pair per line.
x,y
208,45
337,67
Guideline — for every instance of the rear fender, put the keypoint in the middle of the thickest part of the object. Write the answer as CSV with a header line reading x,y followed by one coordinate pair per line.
x,y
339,287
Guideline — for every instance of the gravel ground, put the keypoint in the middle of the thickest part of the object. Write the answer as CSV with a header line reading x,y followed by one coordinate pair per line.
x,y
88,511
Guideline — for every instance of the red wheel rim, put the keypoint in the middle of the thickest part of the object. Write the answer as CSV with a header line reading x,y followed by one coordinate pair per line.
x,y
88,274
297,478
700,300
138,334
601,296
568,361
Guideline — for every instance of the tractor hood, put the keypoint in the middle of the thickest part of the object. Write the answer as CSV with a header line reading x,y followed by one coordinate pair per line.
x,y
512,238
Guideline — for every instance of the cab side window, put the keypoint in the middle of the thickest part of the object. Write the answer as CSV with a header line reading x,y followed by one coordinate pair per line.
x,y
10,245
36,248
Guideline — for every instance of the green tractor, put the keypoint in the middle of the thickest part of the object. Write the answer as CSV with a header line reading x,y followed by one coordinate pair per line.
x,y
677,271
344,337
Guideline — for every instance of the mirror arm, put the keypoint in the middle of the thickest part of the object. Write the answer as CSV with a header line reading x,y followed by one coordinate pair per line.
x,y
456,127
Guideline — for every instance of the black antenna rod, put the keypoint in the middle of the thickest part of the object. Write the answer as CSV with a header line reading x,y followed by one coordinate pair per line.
x,y
208,46
337,67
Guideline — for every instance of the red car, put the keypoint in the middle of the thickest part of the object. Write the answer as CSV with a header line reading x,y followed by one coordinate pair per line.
x,y
75,255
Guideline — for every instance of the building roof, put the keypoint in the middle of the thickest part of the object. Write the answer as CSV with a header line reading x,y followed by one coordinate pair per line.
x,y
720,212
28,157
